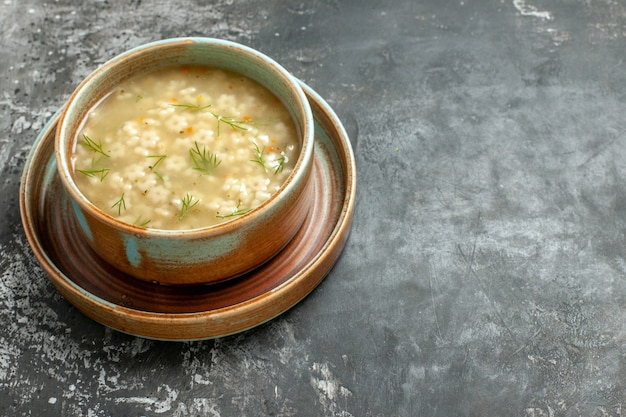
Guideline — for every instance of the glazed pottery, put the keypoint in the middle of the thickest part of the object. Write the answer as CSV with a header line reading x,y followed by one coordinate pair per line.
x,y
176,312
204,255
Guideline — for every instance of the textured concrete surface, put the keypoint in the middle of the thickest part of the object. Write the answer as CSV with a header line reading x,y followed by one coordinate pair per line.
x,y
485,272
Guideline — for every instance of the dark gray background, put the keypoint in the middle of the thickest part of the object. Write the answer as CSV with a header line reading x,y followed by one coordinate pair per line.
x,y
485,271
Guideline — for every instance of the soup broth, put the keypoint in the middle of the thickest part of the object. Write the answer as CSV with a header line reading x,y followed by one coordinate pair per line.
x,y
184,148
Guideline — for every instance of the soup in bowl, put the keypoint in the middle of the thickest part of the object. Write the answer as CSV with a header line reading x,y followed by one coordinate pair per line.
x,y
187,161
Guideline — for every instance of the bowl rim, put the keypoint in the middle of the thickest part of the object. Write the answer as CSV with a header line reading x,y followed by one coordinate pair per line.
x,y
63,139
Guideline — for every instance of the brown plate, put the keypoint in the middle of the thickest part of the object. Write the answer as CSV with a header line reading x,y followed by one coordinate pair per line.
x,y
164,312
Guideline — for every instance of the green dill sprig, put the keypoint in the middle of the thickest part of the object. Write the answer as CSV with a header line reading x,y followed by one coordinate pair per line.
x,y
152,168
159,158
280,165
230,121
258,156
93,145
140,222
192,107
187,203
237,211
102,172
203,160
120,204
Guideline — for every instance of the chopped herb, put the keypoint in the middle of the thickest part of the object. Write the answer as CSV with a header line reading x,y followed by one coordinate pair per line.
x,y
192,107
187,203
258,156
236,212
152,167
141,222
280,165
159,158
203,160
120,204
230,121
103,172
93,145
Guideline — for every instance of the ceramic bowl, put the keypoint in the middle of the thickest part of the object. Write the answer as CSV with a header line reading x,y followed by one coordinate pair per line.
x,y
203,255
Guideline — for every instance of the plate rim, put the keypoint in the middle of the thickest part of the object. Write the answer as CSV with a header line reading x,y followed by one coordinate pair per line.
x,y
237,316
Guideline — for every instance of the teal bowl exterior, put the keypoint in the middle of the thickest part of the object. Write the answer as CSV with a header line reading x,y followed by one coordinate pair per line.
x,y
204,255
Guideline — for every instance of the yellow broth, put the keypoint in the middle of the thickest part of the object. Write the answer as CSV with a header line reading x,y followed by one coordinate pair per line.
x,y
184,148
